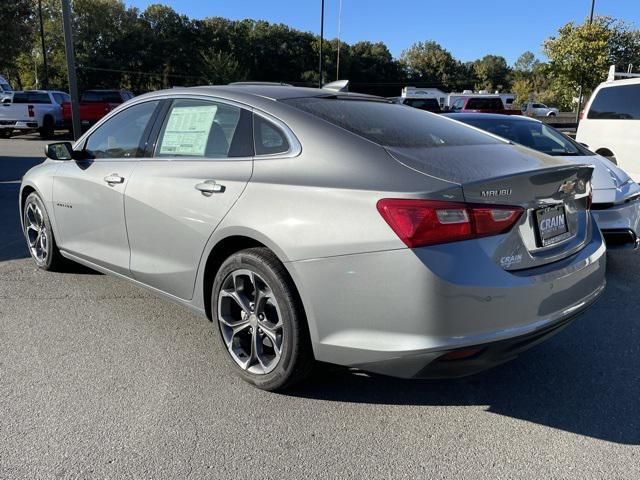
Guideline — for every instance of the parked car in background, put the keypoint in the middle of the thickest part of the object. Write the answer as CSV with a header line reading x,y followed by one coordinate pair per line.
x,y
482,105
425,248
95,104
616,197
5,88
30,110
425,103
538,110
610,124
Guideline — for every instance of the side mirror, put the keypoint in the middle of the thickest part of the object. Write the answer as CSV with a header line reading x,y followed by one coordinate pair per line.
x,y
59,151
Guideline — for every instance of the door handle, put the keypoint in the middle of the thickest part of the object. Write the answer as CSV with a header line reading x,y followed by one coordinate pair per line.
x,y
113,179
209,187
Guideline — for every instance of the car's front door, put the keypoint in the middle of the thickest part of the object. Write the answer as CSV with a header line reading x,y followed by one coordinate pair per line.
x,y
202,161
88,194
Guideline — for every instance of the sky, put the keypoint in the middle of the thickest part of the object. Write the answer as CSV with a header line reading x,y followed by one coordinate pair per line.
x,y
468,29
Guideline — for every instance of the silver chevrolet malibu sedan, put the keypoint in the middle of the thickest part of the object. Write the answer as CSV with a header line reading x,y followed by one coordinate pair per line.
x,y
311,224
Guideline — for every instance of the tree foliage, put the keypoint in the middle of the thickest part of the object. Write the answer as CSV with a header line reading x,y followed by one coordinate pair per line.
x,y
118,46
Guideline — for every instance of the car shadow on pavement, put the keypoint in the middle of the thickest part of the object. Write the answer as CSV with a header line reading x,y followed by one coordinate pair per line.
x,y
585,380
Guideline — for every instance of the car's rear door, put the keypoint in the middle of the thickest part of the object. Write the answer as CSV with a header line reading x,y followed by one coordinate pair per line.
x,y
88,194
201,163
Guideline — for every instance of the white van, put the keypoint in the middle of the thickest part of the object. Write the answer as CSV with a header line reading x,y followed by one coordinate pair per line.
x,y
610,124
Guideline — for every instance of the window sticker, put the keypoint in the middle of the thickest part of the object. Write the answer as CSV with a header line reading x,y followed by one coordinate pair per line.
x,y
188,130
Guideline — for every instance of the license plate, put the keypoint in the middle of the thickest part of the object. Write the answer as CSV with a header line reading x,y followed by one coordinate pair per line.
x,y
552,225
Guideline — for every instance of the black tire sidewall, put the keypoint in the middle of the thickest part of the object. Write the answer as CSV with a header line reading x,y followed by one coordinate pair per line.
x,y
292,317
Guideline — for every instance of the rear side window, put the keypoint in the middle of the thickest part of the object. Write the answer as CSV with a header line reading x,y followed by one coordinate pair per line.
x,y
616,103
101,97
485,104
392,125
31,97
199,128
269,138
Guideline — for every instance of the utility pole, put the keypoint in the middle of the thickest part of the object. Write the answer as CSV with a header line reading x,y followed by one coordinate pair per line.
x,y
321,41
45,79
339,25
593,6
71,68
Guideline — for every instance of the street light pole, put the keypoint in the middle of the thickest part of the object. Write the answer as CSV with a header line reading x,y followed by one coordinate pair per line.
x,y
593,6
45,79
71,68
339,25
321,41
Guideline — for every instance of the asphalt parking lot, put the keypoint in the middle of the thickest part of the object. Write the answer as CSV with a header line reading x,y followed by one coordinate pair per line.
x,y
100,379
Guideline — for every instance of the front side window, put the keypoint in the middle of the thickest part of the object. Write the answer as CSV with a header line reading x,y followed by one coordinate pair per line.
x,y
199,128
616,103
121,136
391,125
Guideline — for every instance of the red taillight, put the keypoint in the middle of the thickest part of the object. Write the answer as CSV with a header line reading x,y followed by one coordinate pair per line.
x,y
429,222
30,110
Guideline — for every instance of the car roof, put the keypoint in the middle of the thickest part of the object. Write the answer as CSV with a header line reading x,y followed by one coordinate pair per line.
x,y
489,116
615,83
262,90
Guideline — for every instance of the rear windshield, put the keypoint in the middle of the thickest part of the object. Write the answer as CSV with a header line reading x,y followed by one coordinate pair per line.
x,y
390,124
616,103
99,97
31,97
532,134
485,104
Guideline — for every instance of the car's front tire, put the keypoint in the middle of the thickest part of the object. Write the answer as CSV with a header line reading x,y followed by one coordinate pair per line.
x,y
39,235
261,320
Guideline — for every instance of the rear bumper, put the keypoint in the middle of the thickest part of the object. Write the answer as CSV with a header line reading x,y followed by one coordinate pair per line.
x,y
397,312
19,125
620,224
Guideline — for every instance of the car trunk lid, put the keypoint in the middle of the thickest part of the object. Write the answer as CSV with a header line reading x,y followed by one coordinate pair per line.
x,y
553,193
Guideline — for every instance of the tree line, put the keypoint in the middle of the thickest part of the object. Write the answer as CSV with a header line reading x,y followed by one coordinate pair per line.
x,y
142,50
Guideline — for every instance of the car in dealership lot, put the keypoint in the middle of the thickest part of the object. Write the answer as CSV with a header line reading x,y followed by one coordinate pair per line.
x,y
309,224
5,88
538,110
95,104
616,197
610,124
31,110
477,104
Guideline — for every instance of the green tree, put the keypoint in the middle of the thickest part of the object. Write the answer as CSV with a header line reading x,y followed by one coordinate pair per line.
x,y
492,72
582,54
430,63
16,18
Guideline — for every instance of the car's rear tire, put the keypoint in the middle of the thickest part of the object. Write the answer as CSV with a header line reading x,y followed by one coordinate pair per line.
x,y
48,128
261,321
39,235
5,133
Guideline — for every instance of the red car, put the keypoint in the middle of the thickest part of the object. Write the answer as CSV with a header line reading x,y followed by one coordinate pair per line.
x,y
95,104
482,105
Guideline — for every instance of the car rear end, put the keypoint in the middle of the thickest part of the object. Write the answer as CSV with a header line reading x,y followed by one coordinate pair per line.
x,y
21,114
499,256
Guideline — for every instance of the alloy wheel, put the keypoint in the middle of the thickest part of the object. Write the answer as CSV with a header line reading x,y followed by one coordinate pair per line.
x,y
36,232
250,321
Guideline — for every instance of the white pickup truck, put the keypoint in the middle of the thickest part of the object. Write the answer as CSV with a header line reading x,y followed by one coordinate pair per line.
x,y
29,110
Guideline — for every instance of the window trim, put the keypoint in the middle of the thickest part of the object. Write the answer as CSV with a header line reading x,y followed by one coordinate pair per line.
x,y
295,148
